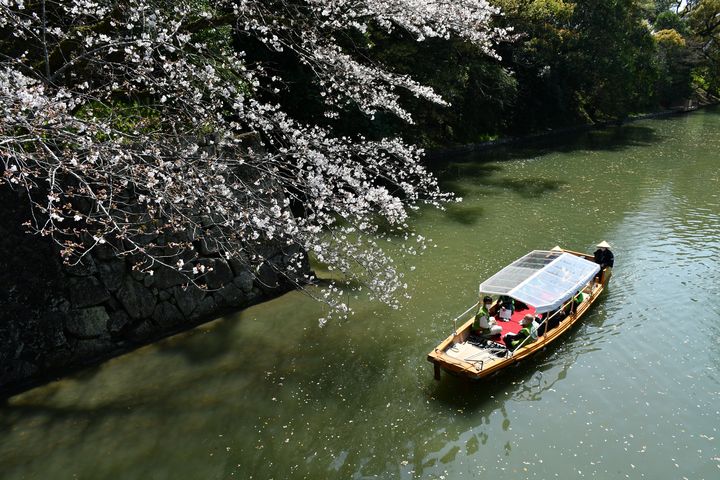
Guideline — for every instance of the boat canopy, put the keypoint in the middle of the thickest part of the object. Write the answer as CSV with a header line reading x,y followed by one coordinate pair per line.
x,y
542,279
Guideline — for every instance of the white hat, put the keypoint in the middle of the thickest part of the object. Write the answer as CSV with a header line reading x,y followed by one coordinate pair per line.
x,y
603,244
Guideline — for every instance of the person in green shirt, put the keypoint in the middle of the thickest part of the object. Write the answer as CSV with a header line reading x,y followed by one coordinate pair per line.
x,y
514,340
484,324
572,306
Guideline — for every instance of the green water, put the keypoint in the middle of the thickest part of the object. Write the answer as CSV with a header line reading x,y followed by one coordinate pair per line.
x,y
633,392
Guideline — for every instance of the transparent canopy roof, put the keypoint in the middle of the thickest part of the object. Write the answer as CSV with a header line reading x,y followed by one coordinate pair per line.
x,y
542,279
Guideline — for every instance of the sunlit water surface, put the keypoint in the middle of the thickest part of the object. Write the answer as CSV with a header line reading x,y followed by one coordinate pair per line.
x,y
633,392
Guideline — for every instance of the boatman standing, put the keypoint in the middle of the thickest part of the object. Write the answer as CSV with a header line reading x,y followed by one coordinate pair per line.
x,y
603,256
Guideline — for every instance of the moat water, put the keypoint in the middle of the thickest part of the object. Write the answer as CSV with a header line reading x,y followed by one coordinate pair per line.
x,y
632,392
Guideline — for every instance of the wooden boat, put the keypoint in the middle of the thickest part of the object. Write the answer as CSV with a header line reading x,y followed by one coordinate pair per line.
x,y
545,284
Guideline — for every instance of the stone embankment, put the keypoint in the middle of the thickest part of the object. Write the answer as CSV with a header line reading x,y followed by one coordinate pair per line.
x,y
54,318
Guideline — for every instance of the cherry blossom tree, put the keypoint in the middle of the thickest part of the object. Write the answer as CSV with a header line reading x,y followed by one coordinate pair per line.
x,y
143,126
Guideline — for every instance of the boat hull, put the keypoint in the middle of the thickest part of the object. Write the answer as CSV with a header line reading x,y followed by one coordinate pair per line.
x,y
450,357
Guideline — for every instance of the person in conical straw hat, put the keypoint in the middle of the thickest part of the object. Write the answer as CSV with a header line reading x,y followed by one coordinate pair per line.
x,y
603,256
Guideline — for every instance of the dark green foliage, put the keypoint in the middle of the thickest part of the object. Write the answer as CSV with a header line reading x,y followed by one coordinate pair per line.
x,y
613,59
671,21
569,62
675,64
704,20
481,91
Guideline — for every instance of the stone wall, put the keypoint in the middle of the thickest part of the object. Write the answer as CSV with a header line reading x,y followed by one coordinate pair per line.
x,y
54,318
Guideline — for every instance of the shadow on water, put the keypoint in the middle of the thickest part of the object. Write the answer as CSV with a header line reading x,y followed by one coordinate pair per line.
x,y
41,405
483,170
480,403
212,343
216,341
464,214
463,176
531,187
609,139
475,175
526,380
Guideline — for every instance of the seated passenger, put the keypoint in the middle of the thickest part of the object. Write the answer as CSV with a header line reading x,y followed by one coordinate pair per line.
x,y
484,324
577,300
520,306
530,329
541,320
552,320
507,307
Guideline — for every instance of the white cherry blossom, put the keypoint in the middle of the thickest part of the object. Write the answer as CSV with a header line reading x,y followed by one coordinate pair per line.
x,y
144,126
